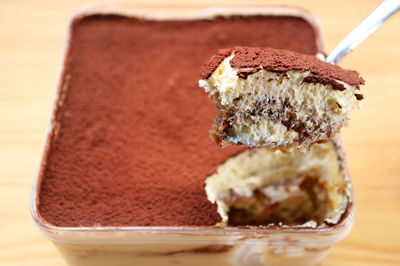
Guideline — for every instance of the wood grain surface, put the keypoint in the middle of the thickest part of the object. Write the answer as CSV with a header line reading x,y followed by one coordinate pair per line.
x,y
31,41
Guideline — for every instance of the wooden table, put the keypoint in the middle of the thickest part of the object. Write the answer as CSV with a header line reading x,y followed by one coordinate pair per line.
x,y
31,41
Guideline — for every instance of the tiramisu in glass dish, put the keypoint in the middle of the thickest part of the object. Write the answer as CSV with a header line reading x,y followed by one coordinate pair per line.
x,y
129,174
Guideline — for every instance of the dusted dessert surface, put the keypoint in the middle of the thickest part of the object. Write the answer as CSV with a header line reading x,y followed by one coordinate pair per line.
x,y
269,187
131,144
274,97
249,60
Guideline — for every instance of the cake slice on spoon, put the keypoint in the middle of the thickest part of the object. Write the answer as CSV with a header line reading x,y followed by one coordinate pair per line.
x,y
272,97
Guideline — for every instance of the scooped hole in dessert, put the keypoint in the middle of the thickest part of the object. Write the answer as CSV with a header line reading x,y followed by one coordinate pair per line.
x,y
270,187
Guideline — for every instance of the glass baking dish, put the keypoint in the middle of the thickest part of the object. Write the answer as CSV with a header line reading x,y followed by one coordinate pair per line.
x,y
192,245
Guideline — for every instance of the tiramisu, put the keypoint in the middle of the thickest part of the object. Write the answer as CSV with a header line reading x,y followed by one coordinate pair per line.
x,y
131,148
129,174
274,97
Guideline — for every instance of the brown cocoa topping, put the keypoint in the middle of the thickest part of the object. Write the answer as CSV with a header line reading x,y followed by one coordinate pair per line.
x,y
132,147
249,60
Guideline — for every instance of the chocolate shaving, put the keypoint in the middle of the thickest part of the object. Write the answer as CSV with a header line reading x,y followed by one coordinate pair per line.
x,y
359,96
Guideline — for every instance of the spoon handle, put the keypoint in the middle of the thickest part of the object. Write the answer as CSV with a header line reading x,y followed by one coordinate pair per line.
x,y
385,9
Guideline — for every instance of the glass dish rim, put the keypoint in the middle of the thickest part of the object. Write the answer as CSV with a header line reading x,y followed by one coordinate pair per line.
x,y
264,230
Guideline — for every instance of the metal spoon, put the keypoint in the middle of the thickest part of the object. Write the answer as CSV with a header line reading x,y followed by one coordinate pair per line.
x,y
370,24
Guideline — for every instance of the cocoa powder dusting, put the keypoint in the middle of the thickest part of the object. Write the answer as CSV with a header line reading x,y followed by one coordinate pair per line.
x,y
133,148
249,60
